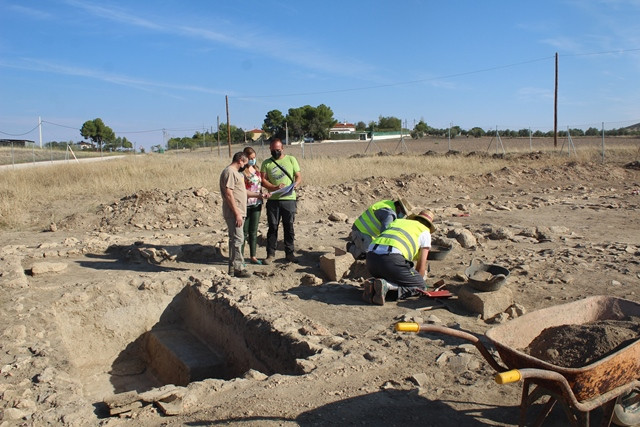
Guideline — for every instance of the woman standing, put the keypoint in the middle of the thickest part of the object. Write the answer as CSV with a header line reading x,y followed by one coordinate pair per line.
x,y
253,182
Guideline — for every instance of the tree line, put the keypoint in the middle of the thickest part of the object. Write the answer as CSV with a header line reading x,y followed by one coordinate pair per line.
x,y
315,123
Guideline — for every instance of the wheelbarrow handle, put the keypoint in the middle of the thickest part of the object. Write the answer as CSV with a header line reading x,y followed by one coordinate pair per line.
x,y
422,327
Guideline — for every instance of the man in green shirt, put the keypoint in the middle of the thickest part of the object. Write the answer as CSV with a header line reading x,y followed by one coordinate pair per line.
x,y
280,176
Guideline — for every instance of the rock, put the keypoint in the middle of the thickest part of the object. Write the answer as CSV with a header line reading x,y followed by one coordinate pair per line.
x,y
201,192
336,266
487,304
252,374
501,233
516,310
421,379
338,217
466,239
171,405
310,280
47,267
53,227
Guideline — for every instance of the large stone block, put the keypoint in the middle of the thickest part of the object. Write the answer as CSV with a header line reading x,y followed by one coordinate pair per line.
x,y
487,304
336,265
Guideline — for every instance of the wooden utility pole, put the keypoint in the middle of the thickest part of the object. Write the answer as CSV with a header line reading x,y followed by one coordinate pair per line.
x,y
555,108
226,100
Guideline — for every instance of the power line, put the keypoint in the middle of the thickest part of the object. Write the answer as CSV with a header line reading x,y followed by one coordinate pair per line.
x,y
19,134
409,82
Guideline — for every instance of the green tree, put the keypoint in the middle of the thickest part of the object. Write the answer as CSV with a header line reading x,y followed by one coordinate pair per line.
x,y
419,130
274,124
361,126
97,131
389,123
476,132
310,121
237,134
592,132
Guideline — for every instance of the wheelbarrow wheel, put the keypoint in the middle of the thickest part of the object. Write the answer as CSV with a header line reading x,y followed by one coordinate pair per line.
x,y
627,410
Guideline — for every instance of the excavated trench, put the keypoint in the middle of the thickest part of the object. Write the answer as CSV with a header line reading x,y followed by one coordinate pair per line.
x,y
125,338
203,336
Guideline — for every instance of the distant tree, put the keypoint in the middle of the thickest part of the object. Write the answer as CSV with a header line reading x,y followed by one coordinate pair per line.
x,y
310,121
389,123
97,131
592,132
419,130
361,126
576,132
274,124
523,132
237,134
476,132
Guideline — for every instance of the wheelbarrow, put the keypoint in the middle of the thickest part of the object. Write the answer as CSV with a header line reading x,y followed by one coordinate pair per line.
x,y
612,382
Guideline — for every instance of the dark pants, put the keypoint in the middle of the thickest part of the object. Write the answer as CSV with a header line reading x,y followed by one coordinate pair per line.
x,y
277,210
395,269
251,228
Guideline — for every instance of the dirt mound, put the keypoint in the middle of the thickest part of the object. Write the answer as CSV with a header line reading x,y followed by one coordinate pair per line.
x,y
158,209
575,346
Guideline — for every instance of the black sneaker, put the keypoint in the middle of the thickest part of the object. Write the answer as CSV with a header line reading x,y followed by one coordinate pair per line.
x,y
241,273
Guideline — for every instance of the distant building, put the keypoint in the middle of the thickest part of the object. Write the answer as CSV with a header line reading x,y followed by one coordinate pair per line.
x,y
84,145
343,128
16,143
255,134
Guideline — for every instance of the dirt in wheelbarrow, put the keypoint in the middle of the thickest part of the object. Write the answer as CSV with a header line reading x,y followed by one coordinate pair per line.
x,y
575,346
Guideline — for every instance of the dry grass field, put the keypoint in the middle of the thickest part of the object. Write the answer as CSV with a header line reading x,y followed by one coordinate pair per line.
x,y
114,279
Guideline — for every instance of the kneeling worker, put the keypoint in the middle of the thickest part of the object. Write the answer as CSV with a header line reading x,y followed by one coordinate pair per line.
x,y
391,257
374,221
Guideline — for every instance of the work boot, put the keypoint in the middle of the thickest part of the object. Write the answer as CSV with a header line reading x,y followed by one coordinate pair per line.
x,y
241,274
380,289
292,258
268,260
368,293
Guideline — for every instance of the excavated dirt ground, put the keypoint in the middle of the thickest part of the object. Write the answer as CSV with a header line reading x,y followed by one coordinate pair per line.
x,y
77,302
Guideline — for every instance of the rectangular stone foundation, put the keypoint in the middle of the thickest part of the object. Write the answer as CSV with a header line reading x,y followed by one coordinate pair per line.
x,y
178,357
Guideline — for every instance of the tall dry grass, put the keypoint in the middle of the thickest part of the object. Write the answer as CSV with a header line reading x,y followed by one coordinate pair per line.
x,y
33,197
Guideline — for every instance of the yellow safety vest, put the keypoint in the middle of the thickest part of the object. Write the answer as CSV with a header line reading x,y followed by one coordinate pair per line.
x,y
367,223
404,235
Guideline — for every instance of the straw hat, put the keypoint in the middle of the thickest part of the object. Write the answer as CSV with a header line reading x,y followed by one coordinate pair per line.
x,y
427,216
405,206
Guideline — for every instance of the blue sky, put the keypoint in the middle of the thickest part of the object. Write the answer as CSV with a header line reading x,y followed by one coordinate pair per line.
x,y
144,66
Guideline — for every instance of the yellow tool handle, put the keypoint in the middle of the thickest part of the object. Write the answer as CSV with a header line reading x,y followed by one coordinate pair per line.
x,y
508,377
407,327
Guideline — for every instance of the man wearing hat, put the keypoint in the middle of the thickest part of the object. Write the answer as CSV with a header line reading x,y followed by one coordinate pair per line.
x,y
374,221
392,255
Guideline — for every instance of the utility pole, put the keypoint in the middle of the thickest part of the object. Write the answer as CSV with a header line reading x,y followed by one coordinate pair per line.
x,y
40,130
226,99
555,108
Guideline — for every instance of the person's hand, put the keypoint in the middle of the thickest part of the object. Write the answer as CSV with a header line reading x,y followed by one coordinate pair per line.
x,y
238,220
266,195
281,185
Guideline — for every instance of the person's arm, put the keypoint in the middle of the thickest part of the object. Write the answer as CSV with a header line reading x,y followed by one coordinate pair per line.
x,y
268,185
421,265
386,217
228,195
297,179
